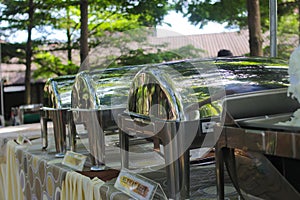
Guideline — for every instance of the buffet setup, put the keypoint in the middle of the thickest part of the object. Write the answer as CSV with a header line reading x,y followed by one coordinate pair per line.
x,y
141,126
260,142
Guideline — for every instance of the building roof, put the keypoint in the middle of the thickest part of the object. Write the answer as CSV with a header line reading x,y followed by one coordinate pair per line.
x,y
14,73
236,42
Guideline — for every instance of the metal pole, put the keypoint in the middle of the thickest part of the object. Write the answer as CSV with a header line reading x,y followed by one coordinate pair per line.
x,y
273,27
1,88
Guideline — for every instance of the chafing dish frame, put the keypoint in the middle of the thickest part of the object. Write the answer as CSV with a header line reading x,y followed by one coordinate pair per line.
x,y
105,121
106,117
256,139
178,171
60,117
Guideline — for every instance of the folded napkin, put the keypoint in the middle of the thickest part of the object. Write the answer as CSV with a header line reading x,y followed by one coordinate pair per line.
x,y
80,187
2,180
13,187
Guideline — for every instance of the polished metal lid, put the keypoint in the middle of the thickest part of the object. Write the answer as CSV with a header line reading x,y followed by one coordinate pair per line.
x,y
193,89
57,92
103,89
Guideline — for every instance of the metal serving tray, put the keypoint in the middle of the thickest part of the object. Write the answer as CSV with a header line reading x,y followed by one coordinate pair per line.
x,y
269,122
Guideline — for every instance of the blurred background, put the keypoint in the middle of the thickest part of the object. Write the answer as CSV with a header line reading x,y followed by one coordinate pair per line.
x,y
40,39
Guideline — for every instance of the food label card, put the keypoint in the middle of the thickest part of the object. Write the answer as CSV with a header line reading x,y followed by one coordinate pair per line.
x,y
135,185
74,160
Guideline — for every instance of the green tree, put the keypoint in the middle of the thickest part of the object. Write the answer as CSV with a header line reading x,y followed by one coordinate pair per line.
x,y
107,17
16,50
39,15
84,32
99,18
289,17
288,26
67,19
50,66
25,15
239,13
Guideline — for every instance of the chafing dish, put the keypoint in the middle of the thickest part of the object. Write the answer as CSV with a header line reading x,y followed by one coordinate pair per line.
x,y
178,104
261,152
25,114
56,103
98,96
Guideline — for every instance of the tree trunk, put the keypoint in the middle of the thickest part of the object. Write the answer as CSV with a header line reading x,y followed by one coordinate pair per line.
x,y
299,22
84,49
69,46
254,25
29,53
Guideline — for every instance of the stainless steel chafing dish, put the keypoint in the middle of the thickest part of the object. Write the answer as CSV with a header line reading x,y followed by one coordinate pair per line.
x,y
31,112
56,103
260,151
98,96
178,104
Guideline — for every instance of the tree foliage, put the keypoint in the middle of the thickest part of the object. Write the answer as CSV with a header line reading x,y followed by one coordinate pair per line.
x,y
235,14
25,15
200,12
50,66
43,17
10,51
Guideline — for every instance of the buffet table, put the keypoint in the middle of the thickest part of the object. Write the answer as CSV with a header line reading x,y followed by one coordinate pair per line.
x,y
29,131
28,172
32,173
42,176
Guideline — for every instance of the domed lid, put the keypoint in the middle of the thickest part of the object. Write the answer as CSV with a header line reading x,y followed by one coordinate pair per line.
x,y
57,92
103,88
193,89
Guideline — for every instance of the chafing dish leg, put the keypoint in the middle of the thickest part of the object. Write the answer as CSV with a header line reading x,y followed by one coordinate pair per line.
x,y
177,161
96,141
124,148
44,132
178,180
219,172
59,133
156,144
71,131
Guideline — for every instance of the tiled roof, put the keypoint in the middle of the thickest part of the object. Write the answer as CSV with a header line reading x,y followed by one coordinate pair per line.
x,y
14,73
236,42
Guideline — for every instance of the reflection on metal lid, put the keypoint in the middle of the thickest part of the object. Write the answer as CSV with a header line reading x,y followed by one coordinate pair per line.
x,y
103,88
57,92
191,89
